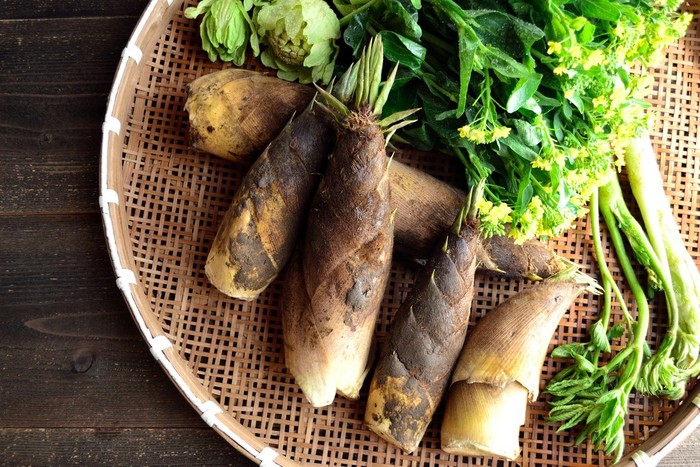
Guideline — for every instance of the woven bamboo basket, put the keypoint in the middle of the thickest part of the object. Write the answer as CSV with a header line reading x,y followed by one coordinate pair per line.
x,y
162,204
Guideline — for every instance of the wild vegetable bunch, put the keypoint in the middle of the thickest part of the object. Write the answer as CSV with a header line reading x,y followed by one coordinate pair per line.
x,y
299,36
538,97
226,29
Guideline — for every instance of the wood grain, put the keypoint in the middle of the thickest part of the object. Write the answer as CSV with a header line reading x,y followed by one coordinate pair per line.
x,y
73,8
78,385
114,446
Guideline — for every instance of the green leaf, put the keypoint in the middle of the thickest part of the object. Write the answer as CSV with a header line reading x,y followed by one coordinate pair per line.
x,y
525,192
516,144
558,126
506,32
467,49
586,34
523,91
401,16
398,48
503,64
600,9
355,34
616,331
527,132
584,364
598,337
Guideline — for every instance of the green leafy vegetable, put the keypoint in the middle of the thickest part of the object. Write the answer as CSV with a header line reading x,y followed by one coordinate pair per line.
x,y
226,29
301,35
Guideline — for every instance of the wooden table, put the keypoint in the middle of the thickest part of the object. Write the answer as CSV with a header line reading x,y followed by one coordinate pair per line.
x,y
77,383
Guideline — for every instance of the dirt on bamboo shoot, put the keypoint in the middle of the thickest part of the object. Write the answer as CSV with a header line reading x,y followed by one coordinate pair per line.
x,y
424,342
425,206
257,235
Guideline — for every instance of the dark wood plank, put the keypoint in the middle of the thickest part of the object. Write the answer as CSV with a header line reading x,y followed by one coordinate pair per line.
x,y
56,376
67,56
75,372
55,76
66,447
54,260
73,8
70,346
50,164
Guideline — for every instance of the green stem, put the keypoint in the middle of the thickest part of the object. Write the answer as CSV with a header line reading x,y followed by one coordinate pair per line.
x,y
438,42
664,236
642,325
609,284
347,18
635,349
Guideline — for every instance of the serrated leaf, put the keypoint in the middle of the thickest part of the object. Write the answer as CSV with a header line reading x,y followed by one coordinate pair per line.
x,y
584,364
568,350
579,418
616,331
599,337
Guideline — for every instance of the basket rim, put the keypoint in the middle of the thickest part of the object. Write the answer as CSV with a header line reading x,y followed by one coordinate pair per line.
x,y
154,19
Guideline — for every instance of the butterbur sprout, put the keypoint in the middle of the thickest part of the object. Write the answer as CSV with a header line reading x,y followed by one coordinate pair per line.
x,y
226,29
301,36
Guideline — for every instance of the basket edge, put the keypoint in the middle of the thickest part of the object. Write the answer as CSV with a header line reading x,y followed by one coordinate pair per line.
x,y
113,215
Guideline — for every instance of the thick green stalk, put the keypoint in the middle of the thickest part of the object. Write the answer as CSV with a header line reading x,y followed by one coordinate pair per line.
x,y
664,235
610,196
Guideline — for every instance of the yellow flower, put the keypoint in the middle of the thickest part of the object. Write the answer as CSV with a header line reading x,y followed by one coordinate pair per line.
x,y
477,136
464,131
575,51
484,205
560,70
554,47
618,97
620,30
501,213
641,26
542,163
595,58
501,132
569,93
599,101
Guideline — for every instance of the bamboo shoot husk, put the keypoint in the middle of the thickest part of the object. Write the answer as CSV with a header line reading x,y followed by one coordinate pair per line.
x,y
424,342
504,352
256,237
333,297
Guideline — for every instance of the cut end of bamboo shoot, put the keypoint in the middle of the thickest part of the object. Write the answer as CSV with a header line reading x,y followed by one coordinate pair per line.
x,y
484,420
